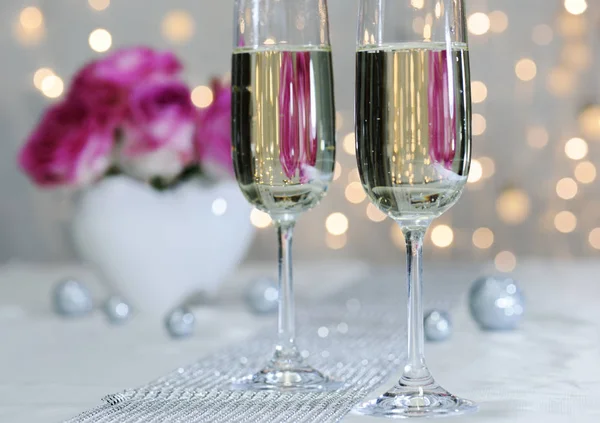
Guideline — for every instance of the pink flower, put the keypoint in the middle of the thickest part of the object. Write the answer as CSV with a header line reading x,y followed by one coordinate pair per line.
x,y
68,147
132,100
104,85
159,130
213,135
106,99
129,67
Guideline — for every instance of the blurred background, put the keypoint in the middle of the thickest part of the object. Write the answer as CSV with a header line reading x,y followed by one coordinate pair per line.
x,y
536,93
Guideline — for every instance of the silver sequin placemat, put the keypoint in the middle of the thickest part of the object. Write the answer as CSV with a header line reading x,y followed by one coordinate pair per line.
x,y
360,346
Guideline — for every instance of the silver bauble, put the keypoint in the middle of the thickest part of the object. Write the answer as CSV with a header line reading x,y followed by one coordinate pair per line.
x,y
438,326
71,298
180,322
496,303
117,310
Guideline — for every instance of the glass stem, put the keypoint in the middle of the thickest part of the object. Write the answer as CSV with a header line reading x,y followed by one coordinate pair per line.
x,y
415,370
286,348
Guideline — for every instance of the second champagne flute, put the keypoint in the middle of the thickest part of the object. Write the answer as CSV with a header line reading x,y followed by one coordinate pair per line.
x,y
413,139
283,134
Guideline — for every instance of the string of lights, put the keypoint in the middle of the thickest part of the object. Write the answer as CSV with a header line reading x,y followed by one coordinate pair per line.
x,y
563,210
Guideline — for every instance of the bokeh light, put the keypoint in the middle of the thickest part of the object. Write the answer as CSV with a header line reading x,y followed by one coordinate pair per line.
x,y
478,23
479,124
439,8
374,214
577,55
488,166
589,121
479,92
571,26
418,4
349,144
542,34
585,172
442,236
40,75
355,193
505,261
337,172
576,149
178,26
337,224
560,82
398,236
594,238
260,219
202,96
427,31
31,18
52,86
100,40
476,172
567,188
483,238
498,21
576,7
513,206
565,222
99,5
526,69
537,137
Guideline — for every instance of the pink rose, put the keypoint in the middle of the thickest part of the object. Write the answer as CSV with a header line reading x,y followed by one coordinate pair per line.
x,y
106,99
68,147
104,85
131,66
213,135
159,130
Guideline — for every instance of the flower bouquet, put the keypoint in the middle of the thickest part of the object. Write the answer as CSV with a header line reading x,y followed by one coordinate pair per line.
x,y
153,214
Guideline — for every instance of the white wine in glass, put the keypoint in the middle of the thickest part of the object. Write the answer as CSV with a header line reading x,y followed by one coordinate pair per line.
x,y
413,143
284,107
413,154
283,135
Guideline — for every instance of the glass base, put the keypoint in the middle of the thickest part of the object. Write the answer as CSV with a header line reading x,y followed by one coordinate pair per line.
x,y
404,402
287,374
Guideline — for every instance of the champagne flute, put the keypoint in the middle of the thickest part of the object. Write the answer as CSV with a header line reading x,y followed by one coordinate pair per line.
x,y
413,143
283,135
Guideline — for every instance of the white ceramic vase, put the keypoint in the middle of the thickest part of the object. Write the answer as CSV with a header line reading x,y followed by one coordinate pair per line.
x,y
159,248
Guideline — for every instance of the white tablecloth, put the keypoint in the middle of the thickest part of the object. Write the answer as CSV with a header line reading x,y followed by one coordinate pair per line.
x,y
548,371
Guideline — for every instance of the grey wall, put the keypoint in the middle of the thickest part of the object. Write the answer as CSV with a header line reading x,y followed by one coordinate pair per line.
x,y
32,223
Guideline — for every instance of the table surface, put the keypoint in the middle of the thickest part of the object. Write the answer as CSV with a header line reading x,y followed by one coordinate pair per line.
x,y
52,369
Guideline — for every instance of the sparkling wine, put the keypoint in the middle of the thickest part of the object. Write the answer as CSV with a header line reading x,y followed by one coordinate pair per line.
x,y
413,125
283,127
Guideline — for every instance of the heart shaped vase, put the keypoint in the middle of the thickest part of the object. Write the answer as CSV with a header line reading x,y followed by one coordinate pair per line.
x,y
158,248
